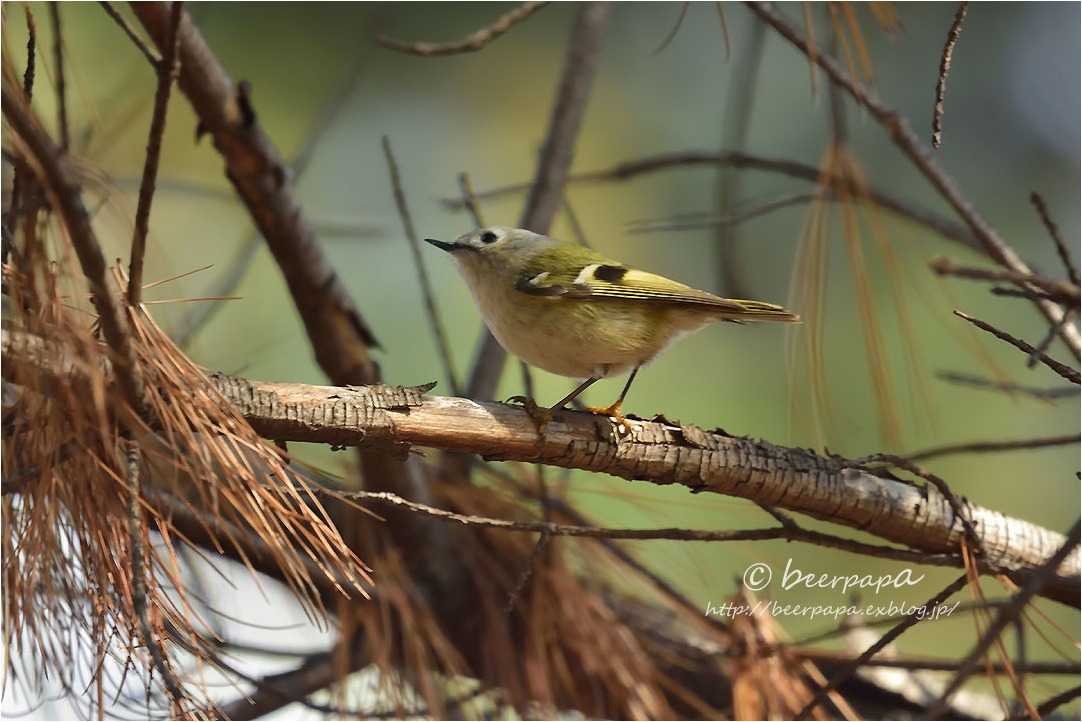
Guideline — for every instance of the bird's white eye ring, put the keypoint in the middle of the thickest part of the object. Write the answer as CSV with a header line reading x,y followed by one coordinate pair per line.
x,y
489,237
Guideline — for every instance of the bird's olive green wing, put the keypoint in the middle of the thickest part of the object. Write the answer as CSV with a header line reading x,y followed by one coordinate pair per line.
x,y
604,280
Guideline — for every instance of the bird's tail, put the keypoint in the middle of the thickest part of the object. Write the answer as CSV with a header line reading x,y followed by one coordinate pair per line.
x,y
759,311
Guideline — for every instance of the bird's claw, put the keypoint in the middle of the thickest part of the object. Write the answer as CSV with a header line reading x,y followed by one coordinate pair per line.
x,y
613,412
540,415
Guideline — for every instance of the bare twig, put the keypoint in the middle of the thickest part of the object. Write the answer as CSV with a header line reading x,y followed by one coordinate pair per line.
x,y
900,132
849,669
19,174
739,103
473,42
1065,293
469,200
431,309
1008,387
134,463
167,73
148,52
675,28
31,54
957,505
1050,705
1049,337
978,447
1063,370
738,159
1053,231
724,27
559,147
1005,616
944,68
61,84
557,151
527,571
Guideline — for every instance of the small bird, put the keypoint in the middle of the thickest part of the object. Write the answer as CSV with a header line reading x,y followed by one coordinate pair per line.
x,y
565,309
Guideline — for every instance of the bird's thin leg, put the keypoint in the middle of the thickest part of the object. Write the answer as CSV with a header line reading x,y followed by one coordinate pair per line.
x,y
614,409
574,394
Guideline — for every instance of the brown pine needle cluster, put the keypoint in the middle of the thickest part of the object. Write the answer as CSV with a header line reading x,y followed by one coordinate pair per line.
x,y
99,502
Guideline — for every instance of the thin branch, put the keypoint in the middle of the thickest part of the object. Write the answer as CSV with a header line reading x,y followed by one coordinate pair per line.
x,y
431,309
738,159
1063,370
739,104
167,73
1053,231
944,68
473,42
148,52
1008,387
557,151
900,132
957,505
469,200
19,174
1050,705
134,463
527,571
1046,342
851,667
1005,616
61,83
1062,292
675,28
979,447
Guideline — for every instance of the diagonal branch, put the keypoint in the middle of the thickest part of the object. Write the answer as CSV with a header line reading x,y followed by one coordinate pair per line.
x,y
909,143
339,335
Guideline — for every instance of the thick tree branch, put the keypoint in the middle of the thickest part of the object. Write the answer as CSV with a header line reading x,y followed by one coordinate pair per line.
x,y
393,420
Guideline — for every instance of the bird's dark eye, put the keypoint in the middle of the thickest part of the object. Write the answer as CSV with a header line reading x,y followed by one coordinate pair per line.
x,y
489,237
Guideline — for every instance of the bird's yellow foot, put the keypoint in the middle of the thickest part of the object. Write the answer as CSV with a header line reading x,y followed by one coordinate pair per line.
x,y
541,416
613,412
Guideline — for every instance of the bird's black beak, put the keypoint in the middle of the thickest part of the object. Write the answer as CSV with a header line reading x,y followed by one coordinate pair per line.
x,y
443,245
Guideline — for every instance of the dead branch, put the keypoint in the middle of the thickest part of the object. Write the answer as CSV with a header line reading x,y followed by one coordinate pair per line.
x,y
1062,369
167,73
340,337
472,43
393,420
1059,291
944,68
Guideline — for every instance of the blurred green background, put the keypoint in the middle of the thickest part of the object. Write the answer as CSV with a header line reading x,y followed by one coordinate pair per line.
x,y
1011,127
